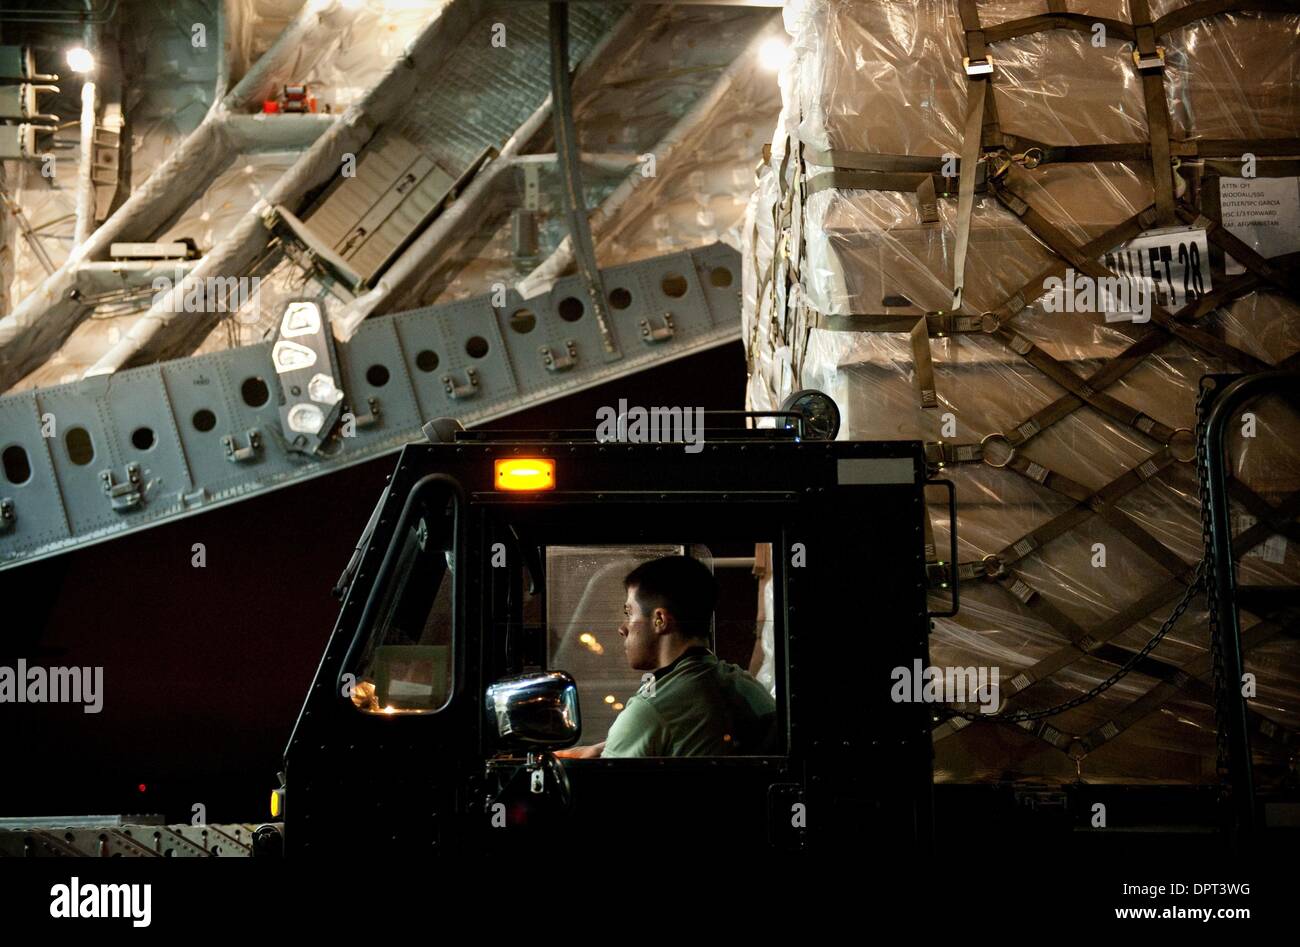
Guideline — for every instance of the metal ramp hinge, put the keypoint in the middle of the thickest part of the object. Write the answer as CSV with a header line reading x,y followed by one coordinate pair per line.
x,y
123,496
8,518
653,335
560,363
239,455
458,392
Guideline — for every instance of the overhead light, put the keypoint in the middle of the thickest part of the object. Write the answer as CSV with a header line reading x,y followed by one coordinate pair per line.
x,y
80,60
773,54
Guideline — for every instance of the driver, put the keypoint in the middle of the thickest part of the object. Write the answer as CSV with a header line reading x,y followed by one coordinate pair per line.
x,y
689,703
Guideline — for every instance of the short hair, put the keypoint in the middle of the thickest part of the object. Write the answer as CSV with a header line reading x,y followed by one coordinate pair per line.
x,y
684,586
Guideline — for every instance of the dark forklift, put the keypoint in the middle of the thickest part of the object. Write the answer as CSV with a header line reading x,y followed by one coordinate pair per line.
x,y
460,660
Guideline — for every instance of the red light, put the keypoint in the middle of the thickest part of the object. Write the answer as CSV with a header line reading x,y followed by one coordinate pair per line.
x,y
142,787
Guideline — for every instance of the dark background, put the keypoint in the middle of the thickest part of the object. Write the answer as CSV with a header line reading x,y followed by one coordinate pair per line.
x,y
205,669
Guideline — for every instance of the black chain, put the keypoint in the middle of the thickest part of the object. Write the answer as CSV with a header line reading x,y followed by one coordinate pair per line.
x,y
1202,576
1211,588
1121,672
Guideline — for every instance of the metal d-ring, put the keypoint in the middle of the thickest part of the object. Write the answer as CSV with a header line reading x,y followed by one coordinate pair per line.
x,y
1031,159
984,452
1169,444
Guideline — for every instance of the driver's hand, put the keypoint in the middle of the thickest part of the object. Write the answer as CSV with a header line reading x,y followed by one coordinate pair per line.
x,y
582,752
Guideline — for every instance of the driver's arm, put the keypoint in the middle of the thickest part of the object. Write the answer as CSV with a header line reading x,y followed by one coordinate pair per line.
x,y
637,731
582,752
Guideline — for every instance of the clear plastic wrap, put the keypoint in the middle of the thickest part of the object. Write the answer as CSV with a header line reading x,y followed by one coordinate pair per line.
x,y
887,78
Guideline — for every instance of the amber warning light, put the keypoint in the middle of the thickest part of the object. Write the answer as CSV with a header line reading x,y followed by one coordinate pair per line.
x,y
525,473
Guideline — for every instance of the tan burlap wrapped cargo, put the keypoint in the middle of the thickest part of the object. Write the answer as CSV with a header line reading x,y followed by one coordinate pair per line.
x,y
1094,520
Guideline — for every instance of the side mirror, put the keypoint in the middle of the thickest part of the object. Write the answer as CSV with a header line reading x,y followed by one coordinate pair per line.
x,y
535,711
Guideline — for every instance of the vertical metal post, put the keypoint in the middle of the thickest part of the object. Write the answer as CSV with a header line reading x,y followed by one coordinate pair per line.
x,y
566,148
1222,412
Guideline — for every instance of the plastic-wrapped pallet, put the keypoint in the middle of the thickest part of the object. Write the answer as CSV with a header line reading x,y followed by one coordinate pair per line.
x,y
1067,432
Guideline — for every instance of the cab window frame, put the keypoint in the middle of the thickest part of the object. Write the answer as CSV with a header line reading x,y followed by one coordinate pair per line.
x,y
364,640
512,514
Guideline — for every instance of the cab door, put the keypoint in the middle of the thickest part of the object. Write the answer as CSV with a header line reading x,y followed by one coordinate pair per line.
x,y
387,742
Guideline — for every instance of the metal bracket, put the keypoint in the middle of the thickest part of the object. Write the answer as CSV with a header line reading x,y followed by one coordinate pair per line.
x,y
978,67
371,417
653,336
459,392
560,363
532,187
937,575
239,455
123,496
7,516
1151,62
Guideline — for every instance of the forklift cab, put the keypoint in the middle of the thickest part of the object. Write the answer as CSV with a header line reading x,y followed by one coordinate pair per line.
x,y
479,634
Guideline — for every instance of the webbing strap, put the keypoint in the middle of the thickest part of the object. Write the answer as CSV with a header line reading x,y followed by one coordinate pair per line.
x,y
1035,152
1026,594
1231,167
1263,512
1185,679
1062,19
1227,150
972,141
1095,643
1141,609
1057,526
1201,9
1063,523
1032,289
1282,276
938,324
869,161
858,179
1135,534
922,366
970,154
1150,61
923,185
1055,20
1067,379
1056,482
1063,246
1236,147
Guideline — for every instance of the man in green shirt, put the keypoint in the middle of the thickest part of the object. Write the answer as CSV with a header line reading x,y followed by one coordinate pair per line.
x,y
690,704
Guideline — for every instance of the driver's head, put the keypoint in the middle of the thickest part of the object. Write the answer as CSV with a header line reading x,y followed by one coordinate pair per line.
x,y
669,604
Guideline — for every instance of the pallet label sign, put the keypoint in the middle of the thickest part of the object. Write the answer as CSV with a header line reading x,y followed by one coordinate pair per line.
x,y
1170,266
